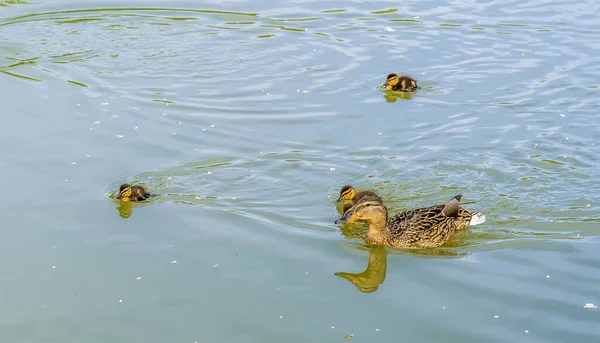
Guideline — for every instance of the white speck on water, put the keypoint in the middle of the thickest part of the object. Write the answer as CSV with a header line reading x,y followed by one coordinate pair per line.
x,y
547,276
209,173
88,156
213,125
590,305
66,180
567,138
379,134
120,136
280,317
333,327
389,29
331,169
135,128
417,17
496,317
562,115
526,331
203,129
53,267
443,307
233,198
97,122
105,103
173,262
73,162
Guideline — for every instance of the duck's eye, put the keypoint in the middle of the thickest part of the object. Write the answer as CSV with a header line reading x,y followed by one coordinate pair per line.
x,y
367,204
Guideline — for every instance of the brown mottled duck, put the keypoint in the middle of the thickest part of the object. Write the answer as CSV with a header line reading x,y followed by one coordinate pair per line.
x,y
401,83
128,192
419,228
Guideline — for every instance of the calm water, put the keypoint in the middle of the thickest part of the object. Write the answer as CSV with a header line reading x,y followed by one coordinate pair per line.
x,y
247,117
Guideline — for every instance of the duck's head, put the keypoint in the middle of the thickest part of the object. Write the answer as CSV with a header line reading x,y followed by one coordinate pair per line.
x,y
347,193
369,209
391,81
124,192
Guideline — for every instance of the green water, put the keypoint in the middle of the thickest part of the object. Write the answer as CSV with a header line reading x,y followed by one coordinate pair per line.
x,y
247,117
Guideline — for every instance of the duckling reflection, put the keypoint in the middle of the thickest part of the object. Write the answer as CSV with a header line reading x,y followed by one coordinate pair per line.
x,y
125,209
394,97
369,280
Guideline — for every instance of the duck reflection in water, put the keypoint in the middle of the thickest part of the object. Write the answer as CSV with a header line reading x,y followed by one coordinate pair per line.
x,y
369,280
125,209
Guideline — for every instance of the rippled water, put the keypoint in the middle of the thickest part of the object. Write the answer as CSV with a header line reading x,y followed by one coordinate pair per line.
x,y
247,117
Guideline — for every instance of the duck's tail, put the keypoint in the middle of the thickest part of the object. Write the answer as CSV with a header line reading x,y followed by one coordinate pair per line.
x,y
477,218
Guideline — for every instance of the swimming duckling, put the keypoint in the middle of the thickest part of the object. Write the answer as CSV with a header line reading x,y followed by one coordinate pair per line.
x,y
419,228
128,192
400,83
346,208
349,195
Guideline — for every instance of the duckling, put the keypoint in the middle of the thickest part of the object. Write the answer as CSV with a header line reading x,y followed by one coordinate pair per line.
x,y
346,208
419,228
349,195
401,83
128,192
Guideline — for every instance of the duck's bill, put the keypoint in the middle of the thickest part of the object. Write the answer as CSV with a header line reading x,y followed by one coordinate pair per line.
x,y
339,199
346,218
118,197
385,85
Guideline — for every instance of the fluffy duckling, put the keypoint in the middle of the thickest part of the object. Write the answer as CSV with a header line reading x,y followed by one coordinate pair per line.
x,y
401,83
128,192
419,228
349,195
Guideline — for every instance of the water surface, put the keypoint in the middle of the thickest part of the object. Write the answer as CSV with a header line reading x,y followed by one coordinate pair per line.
x,y
247,117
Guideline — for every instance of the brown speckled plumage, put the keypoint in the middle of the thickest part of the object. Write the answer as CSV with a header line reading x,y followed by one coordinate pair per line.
x,y
419,228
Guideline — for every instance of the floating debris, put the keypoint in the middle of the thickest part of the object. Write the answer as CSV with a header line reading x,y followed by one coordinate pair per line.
x,y
349,336
120,300
173,262
216,265
138,277
590,305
